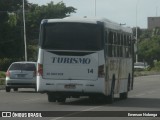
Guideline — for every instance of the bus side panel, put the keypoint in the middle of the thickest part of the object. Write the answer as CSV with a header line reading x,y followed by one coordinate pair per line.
x,y
119,69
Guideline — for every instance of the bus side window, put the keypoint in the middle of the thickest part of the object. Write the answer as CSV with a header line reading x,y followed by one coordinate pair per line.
x,y
115,44
110,38
124,46
129,45
118,45
110,44
125,40
121,45
106,42
106,38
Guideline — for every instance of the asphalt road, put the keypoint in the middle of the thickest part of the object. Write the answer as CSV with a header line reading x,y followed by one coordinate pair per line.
x,y
144,97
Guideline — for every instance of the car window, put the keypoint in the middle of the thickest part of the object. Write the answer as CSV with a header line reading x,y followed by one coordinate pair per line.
x,y
21,66
139,64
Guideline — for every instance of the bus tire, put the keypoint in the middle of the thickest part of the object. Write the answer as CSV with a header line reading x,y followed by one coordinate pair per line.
x,y
123,95
61,99
8,89
110,98
51,97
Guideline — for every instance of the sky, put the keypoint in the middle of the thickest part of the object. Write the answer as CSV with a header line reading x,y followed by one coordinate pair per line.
x,y
130,12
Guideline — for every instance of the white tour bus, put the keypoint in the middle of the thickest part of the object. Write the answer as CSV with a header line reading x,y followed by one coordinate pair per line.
x,y
84,57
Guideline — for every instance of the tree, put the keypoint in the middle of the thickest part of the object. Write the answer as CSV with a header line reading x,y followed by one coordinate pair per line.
x,y
34,16
149,49
10,32
36,13
11,24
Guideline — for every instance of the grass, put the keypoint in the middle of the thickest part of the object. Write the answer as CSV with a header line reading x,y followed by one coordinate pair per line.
x,y
2,75
2,81
145,73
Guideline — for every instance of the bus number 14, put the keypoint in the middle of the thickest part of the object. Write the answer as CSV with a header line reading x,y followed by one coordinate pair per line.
x,y
90,71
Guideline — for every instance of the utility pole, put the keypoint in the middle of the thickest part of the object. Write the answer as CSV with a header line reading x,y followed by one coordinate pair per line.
x,y
24,25
95,7
136,31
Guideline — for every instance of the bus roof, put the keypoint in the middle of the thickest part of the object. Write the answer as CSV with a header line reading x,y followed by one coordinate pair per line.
x,y
107,23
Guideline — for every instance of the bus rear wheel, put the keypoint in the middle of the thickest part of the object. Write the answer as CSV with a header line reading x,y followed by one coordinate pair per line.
x,y
51,97
123,95
8,89
110,98
61,99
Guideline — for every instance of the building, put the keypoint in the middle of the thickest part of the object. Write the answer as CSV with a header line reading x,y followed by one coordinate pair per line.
x,y
153,22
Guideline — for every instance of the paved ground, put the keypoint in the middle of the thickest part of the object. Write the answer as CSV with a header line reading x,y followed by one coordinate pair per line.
x,y
2,87
144,97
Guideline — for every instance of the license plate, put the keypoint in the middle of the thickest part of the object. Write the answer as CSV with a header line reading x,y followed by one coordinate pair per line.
x,y
70,86
20,75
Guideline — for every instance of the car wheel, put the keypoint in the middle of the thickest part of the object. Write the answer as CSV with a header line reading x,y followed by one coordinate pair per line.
x,y
8,89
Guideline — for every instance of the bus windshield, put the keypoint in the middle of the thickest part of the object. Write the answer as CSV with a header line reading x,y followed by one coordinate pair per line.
x,y
72,36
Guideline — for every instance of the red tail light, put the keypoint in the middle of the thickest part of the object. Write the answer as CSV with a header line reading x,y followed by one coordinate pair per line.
x,y
40,70
101,72
7,74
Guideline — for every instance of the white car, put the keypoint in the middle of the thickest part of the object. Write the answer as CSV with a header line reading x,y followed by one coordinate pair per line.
x,y
21,75
140,66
